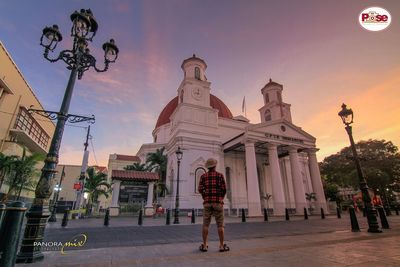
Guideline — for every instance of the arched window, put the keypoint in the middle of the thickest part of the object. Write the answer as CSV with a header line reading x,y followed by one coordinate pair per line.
x,y
197,73
267,115
266,98
197,174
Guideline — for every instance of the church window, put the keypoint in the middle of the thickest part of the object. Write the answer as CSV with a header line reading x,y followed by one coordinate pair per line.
x,y
197,73
197,174
266,98
267,115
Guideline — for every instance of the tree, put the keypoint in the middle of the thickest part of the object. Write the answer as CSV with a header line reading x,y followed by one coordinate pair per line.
x,y
157,162
137,167
22,173
6,163
96,185
380,162
266,197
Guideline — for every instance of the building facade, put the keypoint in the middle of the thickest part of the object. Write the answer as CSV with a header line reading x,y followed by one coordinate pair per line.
x,y
271,164
20,129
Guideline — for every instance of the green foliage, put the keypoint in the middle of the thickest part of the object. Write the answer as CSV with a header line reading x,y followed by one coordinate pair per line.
x,y
137,167
96,185
380,162
6,164
157,162
331,191
22,173
311,196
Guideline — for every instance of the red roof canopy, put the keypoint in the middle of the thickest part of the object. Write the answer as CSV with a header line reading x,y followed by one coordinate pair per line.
x,y
134,175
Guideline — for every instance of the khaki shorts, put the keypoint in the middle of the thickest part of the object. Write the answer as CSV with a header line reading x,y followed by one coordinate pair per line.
x,y
216,210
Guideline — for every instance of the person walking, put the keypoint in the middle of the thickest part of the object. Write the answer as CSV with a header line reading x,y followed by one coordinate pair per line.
x,y
212,188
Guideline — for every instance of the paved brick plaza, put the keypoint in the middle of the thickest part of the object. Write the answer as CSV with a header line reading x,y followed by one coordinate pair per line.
x,y
296,242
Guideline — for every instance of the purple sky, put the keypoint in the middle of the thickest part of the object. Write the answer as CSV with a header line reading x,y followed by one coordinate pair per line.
x,y
316,49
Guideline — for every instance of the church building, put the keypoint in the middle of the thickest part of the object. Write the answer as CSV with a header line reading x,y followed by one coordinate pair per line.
x,y
271,164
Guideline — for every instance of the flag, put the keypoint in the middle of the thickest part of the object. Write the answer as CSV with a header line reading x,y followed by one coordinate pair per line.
x,y
244,104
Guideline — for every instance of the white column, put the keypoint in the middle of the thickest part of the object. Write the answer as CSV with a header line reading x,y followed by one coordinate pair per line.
x,y
253,193
298,185
114,208
316,179
149,209
278,196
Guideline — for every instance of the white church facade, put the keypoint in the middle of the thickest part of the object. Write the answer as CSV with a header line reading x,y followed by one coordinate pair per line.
x,y
271,164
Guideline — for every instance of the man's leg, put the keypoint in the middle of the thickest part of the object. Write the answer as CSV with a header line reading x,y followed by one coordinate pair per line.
x,y
219,219
205,235
221,236
206,224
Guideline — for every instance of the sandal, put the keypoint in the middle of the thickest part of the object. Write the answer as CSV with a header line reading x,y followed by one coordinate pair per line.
x,y
203,248
224,248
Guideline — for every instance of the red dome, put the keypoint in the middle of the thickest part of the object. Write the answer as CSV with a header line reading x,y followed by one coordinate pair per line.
x,y
215,102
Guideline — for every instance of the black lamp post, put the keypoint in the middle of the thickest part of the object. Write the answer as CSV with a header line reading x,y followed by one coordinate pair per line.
x,y
179,155
78,60
53,217
373,226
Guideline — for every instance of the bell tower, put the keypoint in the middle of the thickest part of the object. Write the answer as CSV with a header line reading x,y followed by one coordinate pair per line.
x,y
194,89
274,108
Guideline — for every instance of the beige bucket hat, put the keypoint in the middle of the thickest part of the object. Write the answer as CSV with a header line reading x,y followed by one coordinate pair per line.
x,y
211,163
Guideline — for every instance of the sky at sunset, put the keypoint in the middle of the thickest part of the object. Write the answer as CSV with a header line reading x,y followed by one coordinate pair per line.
x,y
316,49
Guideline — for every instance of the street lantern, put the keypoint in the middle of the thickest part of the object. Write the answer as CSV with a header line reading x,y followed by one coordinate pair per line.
x,y
78,60
179,155
347,117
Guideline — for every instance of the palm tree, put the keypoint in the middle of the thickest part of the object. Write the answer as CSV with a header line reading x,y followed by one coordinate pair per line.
x,y
6,163
23,170
96,185
309,197
137,167
157,162
266,197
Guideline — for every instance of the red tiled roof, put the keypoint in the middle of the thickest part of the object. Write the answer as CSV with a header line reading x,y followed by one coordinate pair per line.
x,y
128,158
134,175
215,102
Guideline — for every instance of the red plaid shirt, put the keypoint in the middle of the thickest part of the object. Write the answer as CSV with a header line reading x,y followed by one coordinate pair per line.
x,y
212,187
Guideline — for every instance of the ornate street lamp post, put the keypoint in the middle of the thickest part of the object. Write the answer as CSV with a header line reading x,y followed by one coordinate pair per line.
x,y
179,155
373,226
78,60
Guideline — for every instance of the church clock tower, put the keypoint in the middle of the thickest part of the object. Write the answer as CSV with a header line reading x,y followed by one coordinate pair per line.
x,y
194,89
274,108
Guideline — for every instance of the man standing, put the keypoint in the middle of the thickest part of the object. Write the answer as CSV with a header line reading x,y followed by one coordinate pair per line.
x,y
213,189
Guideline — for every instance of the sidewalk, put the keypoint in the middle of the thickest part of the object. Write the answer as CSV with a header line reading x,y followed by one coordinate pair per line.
x,y
311,243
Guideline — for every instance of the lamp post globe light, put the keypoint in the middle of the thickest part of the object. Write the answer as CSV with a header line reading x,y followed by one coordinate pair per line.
x,y
78,60
347,117
179,155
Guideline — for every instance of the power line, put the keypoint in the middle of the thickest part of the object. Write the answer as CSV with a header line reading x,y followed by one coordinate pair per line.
x,y
94,153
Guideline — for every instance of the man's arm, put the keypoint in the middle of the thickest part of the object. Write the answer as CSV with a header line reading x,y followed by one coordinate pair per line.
x,y
201,185
223,185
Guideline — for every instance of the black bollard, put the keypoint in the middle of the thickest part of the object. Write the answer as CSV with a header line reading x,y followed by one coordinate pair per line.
x,y
338,213
193,217
2,212
382,216
387,210
322,213
243,216
305,214
287,214
64,221
353,219
107,217
265,215
11,232
140,220
397,210
364,210
168,220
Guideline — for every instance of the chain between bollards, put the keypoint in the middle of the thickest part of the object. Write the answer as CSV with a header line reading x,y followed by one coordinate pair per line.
x,y
353,219
243,216
265,215
107,217
287,214
64,221
305,214
10,233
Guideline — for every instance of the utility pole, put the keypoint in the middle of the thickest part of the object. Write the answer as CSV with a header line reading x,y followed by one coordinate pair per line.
x,y
82,176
